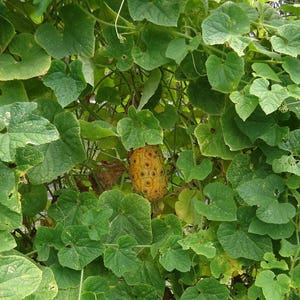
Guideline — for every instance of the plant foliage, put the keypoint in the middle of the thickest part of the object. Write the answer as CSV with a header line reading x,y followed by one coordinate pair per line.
x,y
215,84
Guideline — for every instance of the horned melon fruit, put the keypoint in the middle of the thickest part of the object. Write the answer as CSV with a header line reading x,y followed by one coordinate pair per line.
x,y
147,172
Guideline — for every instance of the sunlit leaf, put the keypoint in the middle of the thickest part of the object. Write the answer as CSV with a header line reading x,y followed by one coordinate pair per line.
x,y
34,60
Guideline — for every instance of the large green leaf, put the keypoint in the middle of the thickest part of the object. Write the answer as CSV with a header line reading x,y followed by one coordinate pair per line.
x,y
148,272
161,12
264,193
245,103
66,87
48,287
202,96
211,140
173,256
286,163
131,216
79,249
237,242
120,258
119,49
221,205
197,242
60,155
225,75
33,198
7,32
71,207
19,277
269,100
10,206
77,36
22,127
275,231
7,241
206,289
288,39
274,287
227,24
186,164
139,128
34,60
151,53
233,137
265,71
292,65
12,91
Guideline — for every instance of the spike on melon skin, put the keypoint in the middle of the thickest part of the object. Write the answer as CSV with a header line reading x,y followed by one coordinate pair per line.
x,y
147,173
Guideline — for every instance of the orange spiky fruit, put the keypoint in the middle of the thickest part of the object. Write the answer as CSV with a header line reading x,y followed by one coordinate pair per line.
x,y
147,172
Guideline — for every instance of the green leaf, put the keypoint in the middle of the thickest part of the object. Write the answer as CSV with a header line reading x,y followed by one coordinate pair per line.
x,y
150,87
296,276
97,222
287,249
186,164
274,231
40,8
178,49
66,87
211,141
66,278
97,286
234,138
121,258
291,142
71,206
165,12
7,241
237,242
47,238
196,242
287,40
173,256
48,287
151,53
148,272
131,216
77,36
292,65
220,206
202,96
270,262
245,103
12,91
264,193
225,75
33,59
167,118
96,130
185,206
224,24
269,100
19,277
7,32
79,250
286,163
206,289
22,127
274,287
265,71
162,230
119,49
139,128
10,206
33,199
68,151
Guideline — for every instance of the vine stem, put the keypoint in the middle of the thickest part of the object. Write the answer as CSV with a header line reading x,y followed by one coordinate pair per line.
x,y
80,285
120,37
